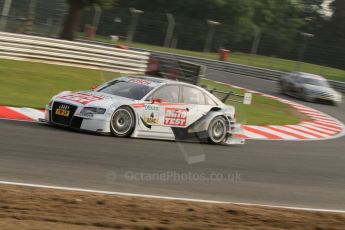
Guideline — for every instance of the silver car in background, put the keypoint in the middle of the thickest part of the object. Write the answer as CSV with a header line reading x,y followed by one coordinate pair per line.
x,y
309,87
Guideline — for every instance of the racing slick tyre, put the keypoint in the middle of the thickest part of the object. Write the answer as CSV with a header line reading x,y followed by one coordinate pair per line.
x,y
122,122
217,130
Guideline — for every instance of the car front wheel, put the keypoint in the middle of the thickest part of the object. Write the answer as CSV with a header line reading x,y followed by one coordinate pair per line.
x,y
217,130
122,122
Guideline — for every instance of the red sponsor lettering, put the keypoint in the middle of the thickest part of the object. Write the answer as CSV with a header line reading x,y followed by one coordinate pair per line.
x,y
139,81
82,98
175,117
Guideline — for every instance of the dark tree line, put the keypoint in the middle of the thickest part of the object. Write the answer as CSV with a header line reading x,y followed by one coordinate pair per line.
x,y
281,23
72,19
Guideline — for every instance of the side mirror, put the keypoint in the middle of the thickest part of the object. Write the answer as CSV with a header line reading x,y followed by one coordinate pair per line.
x,y
157,100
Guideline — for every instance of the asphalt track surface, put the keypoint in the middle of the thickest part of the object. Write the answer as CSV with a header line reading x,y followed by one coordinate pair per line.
x,y
302,174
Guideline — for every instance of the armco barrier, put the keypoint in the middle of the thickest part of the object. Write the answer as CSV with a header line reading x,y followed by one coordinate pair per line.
x,y
245,70
101,55
237,68
78,54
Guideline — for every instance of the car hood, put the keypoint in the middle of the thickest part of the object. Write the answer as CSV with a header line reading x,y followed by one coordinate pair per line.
x,y
92,99
320,89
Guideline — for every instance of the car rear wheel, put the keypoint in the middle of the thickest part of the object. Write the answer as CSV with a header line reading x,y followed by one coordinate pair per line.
x,y
217,130
122,122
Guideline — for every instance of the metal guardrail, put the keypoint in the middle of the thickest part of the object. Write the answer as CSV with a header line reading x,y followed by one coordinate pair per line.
x,y
245,70
135,60
77,54
338,85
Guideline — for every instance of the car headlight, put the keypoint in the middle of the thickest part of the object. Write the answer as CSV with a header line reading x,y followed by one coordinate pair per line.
x,y
92,110
339,97
50,104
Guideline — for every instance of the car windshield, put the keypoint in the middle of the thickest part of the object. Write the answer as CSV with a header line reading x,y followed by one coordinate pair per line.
x,y
316,82
126,89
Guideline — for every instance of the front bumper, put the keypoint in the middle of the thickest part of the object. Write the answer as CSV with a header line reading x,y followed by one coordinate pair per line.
x,y
326,97
98,123
232,138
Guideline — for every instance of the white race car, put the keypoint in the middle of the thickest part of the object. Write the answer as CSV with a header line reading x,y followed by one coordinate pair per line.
x,y
147,107
309,87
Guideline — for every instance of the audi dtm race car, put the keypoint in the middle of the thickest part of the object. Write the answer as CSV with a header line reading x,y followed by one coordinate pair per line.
x,y
309,87
147,107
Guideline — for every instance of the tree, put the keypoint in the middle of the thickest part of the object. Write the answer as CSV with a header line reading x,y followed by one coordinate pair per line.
x,y
313,15
191,17
280,22
337,25
74,12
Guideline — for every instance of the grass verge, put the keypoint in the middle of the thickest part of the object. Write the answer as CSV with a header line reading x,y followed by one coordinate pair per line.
x,y
262,111
33,208
33,84
244,59
27,84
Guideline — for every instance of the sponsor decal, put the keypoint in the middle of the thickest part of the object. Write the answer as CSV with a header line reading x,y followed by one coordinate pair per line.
x,y
151,114
139,81
63,110
82,98
175,117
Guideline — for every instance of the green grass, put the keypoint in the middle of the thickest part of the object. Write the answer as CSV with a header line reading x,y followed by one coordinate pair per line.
x,y
262,111
33,84
245,59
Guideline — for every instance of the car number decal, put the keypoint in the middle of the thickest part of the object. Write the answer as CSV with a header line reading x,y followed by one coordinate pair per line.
x,y
151,114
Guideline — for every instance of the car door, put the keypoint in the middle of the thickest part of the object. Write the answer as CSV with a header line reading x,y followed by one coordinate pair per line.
x,y
195,102
292,81
164,108
175,106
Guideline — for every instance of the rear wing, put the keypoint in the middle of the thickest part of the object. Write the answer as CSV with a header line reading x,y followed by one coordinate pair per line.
x,y
245,99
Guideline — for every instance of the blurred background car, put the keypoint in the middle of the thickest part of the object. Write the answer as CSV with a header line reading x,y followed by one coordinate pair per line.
x,y
309,87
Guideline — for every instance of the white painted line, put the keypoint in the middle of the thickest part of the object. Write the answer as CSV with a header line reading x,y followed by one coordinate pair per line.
x,y
322,117
270,131
287,129
325,126
330,122
253,135
32,113
317,128
166,197
299,127
311,113
304,108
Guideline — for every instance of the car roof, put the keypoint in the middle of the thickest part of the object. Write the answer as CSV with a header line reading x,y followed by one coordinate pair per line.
x,y
161,81
164,81
153,79
311,76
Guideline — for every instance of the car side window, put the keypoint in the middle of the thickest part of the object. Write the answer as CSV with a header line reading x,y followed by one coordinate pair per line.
x,y
293,77
168,93
193,96
300,79
210,101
